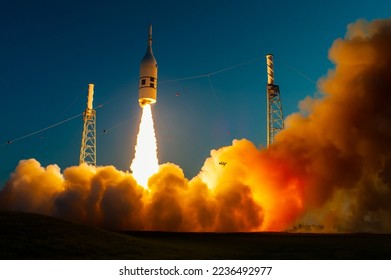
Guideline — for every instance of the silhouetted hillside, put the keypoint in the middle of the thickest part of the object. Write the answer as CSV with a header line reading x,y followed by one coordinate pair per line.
x,y
33,236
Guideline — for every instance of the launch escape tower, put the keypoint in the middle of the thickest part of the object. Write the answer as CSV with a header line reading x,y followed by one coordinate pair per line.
x,y
275,118
88,142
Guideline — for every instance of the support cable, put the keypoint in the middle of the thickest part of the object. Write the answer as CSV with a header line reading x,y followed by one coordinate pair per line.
x,y
46,128
211,73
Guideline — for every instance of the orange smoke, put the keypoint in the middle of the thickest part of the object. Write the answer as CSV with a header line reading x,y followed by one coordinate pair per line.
x,y
330,167
342,146
221,198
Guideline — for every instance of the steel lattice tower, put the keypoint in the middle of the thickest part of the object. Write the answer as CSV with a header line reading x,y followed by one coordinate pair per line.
x,y
88,142
275,117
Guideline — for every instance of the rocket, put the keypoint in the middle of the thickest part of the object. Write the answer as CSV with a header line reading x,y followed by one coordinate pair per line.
x,y
148,75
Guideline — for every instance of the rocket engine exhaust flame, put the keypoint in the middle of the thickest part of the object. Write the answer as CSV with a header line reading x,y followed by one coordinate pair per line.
x,y
330,166
145,162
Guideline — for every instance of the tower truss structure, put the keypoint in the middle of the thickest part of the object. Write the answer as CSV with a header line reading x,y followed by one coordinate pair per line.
x,y
88,142
275,117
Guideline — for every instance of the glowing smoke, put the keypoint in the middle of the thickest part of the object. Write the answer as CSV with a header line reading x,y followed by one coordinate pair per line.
x,y
330,166
341,146
145,162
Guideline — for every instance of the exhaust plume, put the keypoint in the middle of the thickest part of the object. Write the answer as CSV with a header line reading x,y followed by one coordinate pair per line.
x,y
145,162
330,167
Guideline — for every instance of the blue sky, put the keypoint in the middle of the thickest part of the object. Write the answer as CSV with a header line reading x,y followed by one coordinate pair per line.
x,y
51,50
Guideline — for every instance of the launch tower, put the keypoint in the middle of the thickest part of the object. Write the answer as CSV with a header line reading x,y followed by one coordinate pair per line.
x,y
88,142
275,118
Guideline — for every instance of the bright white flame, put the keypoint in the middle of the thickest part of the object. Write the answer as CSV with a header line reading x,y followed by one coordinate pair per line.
x,y
145,162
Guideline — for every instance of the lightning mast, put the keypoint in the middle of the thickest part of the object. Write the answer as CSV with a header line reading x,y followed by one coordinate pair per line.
x,y
275,118
88,142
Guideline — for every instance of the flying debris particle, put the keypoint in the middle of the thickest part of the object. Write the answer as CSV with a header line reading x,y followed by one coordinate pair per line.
x,y
223,163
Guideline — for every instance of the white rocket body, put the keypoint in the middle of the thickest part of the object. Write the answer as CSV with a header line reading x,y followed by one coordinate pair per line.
x,y
148,76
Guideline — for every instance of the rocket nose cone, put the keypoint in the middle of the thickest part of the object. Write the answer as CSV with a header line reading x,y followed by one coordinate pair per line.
x,y
148,57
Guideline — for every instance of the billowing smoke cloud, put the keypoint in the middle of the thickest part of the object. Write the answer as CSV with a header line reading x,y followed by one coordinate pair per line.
x,y
331,166
110,198
341,147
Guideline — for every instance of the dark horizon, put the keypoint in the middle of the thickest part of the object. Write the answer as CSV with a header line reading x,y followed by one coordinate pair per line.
x,y
52,238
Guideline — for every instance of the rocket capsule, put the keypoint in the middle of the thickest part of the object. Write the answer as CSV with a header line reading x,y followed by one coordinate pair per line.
x,y
148,76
